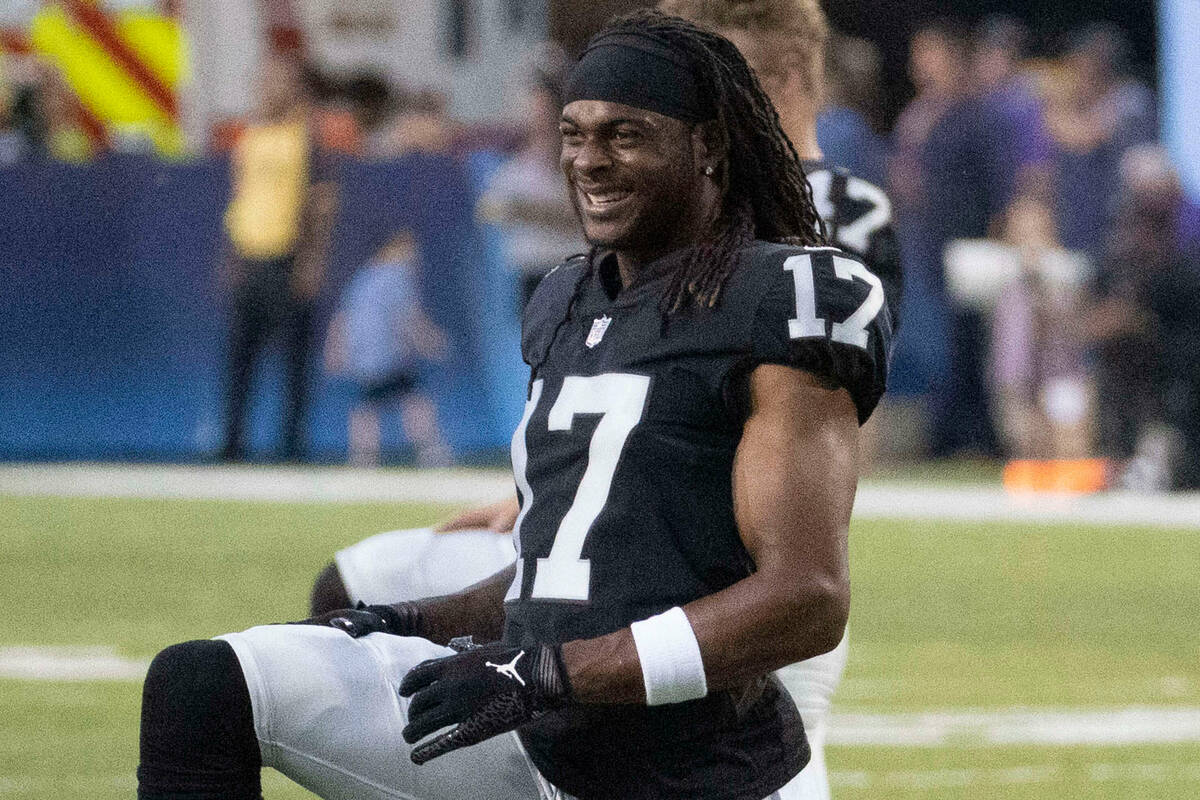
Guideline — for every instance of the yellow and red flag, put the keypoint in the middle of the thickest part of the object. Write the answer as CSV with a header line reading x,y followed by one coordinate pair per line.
x,y
125,66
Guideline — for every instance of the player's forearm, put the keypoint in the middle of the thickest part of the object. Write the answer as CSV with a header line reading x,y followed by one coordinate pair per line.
x,y
476,611
746,631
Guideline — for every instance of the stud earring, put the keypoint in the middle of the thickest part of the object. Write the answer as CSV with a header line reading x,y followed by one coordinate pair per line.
x,y
709,170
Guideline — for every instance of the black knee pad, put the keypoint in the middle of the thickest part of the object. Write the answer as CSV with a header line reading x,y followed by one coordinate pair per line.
x,y
329,592
197,736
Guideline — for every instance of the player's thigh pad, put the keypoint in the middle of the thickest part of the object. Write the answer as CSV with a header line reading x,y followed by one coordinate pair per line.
x,y
411,564
812,682
327,715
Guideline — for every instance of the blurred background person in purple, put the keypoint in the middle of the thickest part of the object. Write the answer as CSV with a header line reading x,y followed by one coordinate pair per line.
x,y
847,127
1101,111
936,66
952,172
999,74
1038,366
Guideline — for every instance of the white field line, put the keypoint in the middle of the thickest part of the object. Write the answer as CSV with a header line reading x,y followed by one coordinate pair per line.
x,y
1050,727
464,486
958,728
268,484
993,504
1015,776
69,664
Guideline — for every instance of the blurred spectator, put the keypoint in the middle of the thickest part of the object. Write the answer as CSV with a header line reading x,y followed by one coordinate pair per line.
x,y
14,146
382,339
63,136
525,196
347,109
845,129
372,99
1144,324
998,75
936,64
953,171
21,74
937,67
1043,394
278,220
1097,115
421,125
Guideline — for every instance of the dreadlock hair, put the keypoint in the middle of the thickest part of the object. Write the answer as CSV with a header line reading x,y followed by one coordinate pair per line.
x,y
765,194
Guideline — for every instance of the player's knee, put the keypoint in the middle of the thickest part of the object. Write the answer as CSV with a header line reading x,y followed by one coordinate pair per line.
x,y
329,592
196,714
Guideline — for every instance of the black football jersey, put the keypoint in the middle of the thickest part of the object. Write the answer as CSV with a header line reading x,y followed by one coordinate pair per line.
x,y
623,463
858,218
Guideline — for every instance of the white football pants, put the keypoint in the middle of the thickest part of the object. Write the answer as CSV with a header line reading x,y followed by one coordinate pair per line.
x,y
411,564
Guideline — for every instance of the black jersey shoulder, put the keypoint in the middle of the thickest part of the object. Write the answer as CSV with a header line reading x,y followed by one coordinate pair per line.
x,y
548,307
819,309
859,219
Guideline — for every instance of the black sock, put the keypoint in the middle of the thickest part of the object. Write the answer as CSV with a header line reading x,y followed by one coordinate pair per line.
x,y
197,739
329,592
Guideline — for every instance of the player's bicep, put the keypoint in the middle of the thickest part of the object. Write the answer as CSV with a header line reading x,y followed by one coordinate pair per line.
x,y
795,475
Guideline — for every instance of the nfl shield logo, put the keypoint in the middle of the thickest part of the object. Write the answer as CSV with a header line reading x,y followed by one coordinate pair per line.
x,y
599,326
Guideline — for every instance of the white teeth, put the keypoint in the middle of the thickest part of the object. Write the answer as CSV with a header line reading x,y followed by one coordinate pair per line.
x,y
604,199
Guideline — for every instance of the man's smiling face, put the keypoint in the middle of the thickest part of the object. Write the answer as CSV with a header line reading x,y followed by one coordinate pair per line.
x,y
632,176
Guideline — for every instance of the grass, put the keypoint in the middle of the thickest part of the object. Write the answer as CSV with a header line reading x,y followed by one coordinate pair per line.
x,y
945,616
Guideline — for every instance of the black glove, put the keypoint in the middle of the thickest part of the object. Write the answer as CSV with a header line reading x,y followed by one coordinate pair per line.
x,y
483,692
402,619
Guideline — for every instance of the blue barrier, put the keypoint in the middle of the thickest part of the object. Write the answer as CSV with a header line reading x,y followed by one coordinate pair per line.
x,y
113,323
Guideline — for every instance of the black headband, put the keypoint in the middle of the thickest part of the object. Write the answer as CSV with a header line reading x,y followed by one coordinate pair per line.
x,y
641,72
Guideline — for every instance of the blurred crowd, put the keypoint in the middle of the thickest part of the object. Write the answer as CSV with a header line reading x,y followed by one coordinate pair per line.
x,y
382,341
41,117
1052,258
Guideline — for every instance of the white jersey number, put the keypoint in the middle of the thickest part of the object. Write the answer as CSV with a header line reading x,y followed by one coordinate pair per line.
x,y
807,324
619,399
852,234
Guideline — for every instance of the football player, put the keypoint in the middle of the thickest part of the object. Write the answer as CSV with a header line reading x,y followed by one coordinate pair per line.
x,y
784,42
686,466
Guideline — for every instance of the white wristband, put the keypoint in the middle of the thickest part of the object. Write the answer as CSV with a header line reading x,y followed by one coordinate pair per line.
x,y
672,668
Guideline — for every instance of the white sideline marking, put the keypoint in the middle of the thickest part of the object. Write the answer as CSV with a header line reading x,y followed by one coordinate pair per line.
x,y
1013,776
65,664
465,486
957,728
1050,726
268,484
994,504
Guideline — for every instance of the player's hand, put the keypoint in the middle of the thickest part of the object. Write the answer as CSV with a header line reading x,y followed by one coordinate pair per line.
x,y
482,692
499,517
401,619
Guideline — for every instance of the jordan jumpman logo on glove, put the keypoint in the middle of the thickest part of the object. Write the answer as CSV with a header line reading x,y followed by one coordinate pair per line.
x,y
482,692
509,669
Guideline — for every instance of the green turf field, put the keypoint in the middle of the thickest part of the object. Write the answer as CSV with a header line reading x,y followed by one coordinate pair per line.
x,y
947,617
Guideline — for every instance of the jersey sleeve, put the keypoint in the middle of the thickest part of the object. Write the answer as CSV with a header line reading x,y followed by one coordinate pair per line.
x,y
826,313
